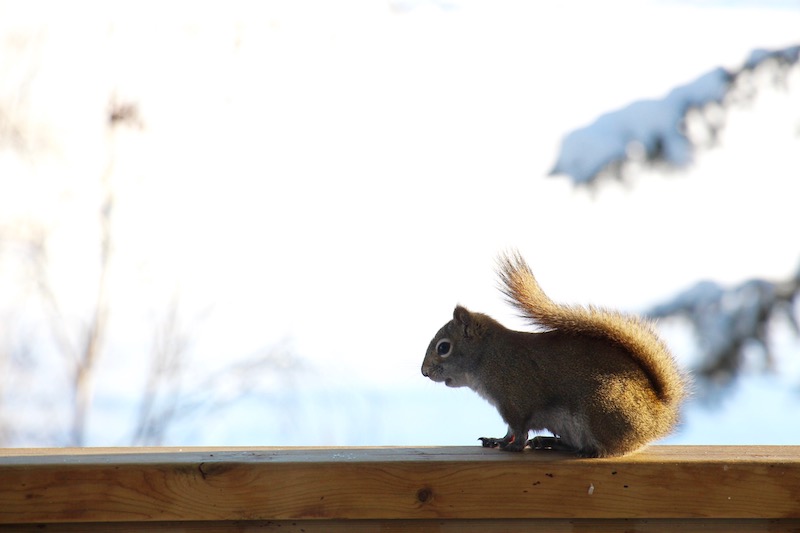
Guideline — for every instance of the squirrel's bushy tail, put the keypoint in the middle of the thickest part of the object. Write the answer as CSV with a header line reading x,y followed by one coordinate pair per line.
x,y
632,333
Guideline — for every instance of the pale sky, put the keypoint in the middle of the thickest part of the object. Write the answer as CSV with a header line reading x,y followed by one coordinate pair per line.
x,y
338,175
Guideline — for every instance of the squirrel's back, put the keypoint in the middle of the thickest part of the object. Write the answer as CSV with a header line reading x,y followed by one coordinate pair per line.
x,y
633,334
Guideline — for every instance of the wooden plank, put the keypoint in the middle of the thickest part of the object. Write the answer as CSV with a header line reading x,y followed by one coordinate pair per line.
x,y
439,526
289,484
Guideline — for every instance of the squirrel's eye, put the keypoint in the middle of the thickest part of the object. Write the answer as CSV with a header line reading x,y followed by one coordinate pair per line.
x,y
443,347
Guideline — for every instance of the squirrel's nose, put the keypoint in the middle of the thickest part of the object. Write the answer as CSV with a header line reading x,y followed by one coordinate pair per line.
x,y
424,372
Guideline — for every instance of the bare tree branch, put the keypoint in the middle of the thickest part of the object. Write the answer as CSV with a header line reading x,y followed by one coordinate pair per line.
x,y
167,363
96,329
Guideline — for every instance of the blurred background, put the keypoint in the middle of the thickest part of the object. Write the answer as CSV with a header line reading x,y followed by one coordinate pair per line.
x,y
242,223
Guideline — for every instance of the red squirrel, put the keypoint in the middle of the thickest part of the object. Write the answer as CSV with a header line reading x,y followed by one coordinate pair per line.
x,y
601,381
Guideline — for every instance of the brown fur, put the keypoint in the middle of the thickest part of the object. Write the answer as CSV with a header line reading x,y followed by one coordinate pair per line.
x,y
600,380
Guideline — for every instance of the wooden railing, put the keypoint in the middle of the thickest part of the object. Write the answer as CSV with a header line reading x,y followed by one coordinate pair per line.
x,y
664,488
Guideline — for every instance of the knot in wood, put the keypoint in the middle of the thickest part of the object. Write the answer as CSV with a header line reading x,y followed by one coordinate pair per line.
x,y
424,494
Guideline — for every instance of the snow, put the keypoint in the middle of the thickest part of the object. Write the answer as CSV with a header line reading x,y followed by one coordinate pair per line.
x,y
652,126
701,295
728,322
737,419
723,315
653,130
758,56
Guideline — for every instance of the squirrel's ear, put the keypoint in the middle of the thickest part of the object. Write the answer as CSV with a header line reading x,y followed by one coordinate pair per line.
x,y
463,318
461,315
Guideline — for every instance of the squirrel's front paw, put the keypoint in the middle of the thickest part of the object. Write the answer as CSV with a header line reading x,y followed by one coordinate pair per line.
x,y
507,443
489,442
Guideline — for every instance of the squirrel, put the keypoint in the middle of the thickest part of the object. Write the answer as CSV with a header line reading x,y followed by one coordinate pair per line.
x,y
601,381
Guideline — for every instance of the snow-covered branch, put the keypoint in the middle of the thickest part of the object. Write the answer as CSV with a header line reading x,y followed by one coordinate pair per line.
x,y
658,131
728,321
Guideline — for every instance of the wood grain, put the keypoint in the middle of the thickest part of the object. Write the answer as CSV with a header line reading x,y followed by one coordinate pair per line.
x,y
164,485
550,525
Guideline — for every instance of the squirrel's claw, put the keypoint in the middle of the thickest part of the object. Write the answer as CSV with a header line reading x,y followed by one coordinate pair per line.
x,y
489,442
508,443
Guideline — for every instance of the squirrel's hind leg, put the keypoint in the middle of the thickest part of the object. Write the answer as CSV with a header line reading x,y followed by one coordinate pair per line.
x,y
555,443
548,443
512,442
